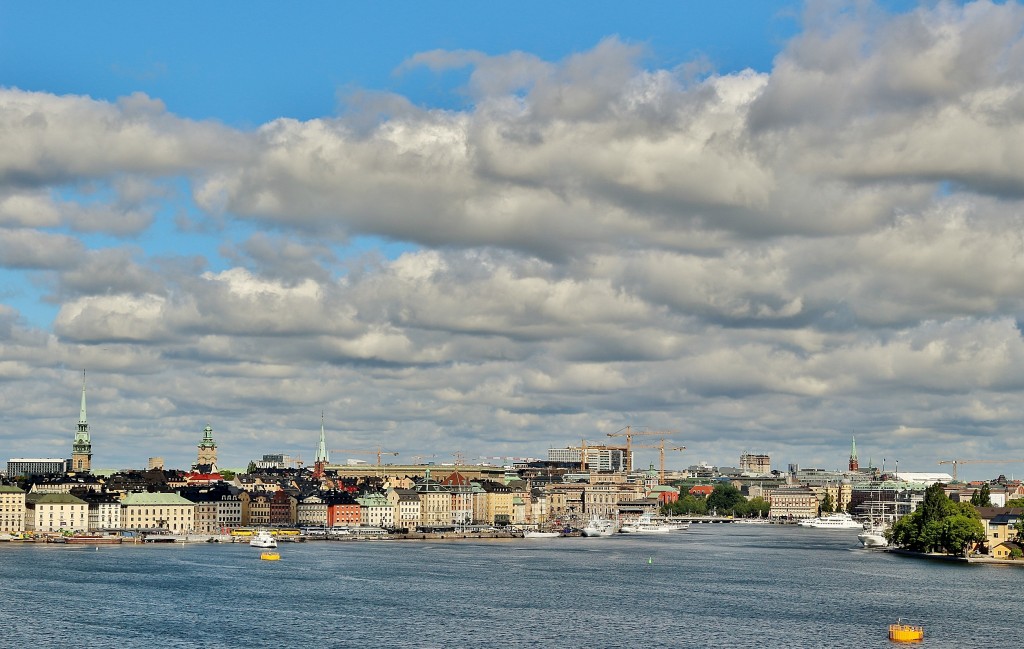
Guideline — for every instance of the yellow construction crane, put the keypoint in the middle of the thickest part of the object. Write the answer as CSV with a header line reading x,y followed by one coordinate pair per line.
x,y
377,451
661,452
629,434
957,463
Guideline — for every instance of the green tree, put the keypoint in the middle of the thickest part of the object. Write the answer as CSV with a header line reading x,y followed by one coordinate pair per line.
x,y
960,533
1019,526
724,498
939,524
755,507
985,496
227,474
687,504
827,506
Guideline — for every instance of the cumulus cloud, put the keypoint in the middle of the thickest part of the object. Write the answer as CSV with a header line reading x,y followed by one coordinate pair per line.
x,y
830,246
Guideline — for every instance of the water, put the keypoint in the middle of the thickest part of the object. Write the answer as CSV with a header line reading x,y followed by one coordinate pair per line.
x,y
711,586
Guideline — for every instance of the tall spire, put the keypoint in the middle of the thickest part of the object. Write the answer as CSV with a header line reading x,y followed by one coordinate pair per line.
x,y
322,457
83,422
854,464
81,448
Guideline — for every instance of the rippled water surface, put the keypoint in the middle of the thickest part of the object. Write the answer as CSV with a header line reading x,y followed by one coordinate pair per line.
x,y
711,586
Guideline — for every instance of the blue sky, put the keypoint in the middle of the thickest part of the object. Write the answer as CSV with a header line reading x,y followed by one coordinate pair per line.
x,y
766,225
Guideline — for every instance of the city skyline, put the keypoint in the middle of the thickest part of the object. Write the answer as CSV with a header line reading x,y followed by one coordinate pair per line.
x,y
760,226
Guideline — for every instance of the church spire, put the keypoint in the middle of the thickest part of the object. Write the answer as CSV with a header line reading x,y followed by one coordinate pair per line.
x,y
322,458
81,448
854,464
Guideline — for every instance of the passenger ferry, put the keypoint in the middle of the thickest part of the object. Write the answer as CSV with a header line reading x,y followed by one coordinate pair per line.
x,y
839,521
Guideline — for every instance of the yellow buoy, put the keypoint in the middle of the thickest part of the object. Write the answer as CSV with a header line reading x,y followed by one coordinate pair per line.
x,y
270,556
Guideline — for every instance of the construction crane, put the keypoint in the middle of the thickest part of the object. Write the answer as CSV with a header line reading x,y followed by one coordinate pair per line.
x,y
459,457
417,458
376,451
661,453
957,463
629,434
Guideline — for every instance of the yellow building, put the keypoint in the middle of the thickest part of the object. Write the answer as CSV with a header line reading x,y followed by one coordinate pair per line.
x,y
12,510
158,511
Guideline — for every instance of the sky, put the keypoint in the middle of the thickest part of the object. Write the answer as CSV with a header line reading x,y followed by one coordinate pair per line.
x,y
492,230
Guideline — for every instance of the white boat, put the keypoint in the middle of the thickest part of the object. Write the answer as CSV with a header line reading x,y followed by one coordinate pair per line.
x,y
840,521
263,539
598,526
534,534
646,525
873,537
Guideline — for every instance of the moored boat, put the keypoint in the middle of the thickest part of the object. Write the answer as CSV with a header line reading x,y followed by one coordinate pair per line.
x,y
93,539
647,525
535,534
840,521
873,537
263,539
598,526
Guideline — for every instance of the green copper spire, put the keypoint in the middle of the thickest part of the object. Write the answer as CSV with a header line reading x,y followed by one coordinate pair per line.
x,y
81,449
853,448
321,448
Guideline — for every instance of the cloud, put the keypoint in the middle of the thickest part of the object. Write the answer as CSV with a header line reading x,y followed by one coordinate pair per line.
x,y
759,260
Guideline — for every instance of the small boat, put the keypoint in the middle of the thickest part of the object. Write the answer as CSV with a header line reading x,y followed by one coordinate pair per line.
x,y
263,539
270,555
902,631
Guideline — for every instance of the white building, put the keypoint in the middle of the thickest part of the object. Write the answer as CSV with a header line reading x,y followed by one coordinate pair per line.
x,y
158,511
47,513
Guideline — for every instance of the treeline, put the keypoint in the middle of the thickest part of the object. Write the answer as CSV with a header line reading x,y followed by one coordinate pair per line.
x,y
725,500
939,525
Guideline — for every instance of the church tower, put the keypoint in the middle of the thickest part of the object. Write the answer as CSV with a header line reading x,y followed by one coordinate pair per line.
x,y
81,449
322,458
854,464
207,456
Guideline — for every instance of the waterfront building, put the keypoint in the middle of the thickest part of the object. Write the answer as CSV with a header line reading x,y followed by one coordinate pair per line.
x,y
104,510
479,503
499,503
283,509
1000,524
342,508
793,502
256,508
217,508
12,510
140,511
604,499
49,513
406,503
841,494
375,510
435,503
311,511
567,499
30,466
461,489
206,458
81,448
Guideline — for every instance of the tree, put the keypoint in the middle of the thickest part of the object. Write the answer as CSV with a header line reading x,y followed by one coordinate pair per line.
x,y
827,506
688,504
227,474
755,507
724,498
982,498
939,524
961,533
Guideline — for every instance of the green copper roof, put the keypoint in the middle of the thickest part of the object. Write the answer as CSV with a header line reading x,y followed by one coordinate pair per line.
x,y
55,499
155,499
10,489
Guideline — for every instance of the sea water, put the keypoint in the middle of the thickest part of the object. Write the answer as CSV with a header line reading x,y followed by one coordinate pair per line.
x,y
714,585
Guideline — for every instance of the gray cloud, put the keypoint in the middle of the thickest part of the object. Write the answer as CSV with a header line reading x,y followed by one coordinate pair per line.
x,y
760,261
